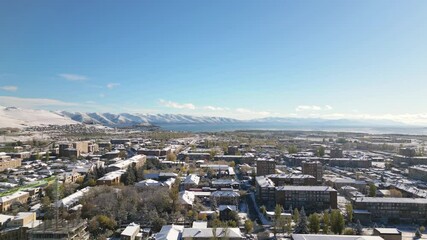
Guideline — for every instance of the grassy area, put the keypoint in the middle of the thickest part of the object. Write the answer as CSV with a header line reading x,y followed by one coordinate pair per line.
x,y
32,185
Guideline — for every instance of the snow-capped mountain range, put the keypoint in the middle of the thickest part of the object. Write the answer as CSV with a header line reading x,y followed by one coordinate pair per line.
x,y
20,118
109,119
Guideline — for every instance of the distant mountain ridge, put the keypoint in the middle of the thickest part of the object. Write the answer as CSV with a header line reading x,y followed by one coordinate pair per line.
x,y
20,118
126,119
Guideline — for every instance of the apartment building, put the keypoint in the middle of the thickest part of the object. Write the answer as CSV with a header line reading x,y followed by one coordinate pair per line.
x,y
312,198
393,209
6,201
418,172
8,162
292,179
265,167
314,169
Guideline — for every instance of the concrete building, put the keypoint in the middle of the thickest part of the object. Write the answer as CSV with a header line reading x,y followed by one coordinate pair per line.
x,y
312,198
111,178
137,161
333,237
6,201
336,153
265,167
314,169
349,162
292,179
403,160
265,191
388,233
225,197
63,230
418,172
8,162
211,233
131,232
393,209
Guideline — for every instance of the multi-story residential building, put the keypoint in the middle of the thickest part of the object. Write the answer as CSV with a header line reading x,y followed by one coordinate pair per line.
x,y
292,179
265,167
8,162
393,209
136,161
349,162
314,169
265,191
336,153
418,172
111,178
338,183
404,160
333,237
6,201
63,230
239,159
312,198
225,197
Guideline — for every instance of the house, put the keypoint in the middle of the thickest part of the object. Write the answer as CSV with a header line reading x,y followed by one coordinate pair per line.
x,y
186,198
332,237
170,232
226,212
191,181
131,232
211,233
73,199
111,178
225,198
388,233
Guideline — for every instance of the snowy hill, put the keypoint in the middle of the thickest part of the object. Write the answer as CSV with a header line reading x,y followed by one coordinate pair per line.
x,y
20,118
126,119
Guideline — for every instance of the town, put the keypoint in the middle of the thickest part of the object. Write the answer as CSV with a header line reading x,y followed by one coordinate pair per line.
x,y
154,184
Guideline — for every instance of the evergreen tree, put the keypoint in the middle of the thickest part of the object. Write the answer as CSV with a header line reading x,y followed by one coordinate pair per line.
x,y
372,190
349,211
359,228
277,214
418,234
296,216
326,222
314,223
302,227
337,222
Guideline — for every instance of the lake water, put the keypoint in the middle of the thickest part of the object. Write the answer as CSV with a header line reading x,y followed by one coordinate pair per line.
x,y
211,127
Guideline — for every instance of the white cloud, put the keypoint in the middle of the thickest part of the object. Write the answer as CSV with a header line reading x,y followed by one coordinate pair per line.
x,y
73,77
112,85
253,113
307,108
302,108
212,108
32,102
9,88
176,105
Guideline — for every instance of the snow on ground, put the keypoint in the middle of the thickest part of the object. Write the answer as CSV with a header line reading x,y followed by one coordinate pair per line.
x,y
20,118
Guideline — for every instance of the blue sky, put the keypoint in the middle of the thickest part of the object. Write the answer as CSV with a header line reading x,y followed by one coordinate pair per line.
x,y
241,59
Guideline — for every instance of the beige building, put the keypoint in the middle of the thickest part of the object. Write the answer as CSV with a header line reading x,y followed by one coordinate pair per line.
x,y
6,201
8,162
131,232
388,233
